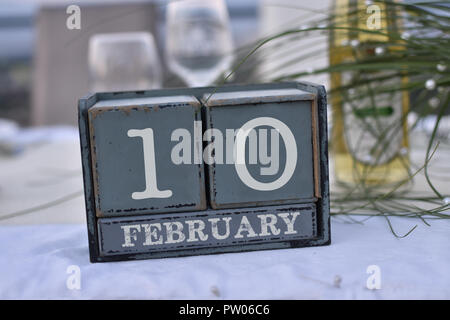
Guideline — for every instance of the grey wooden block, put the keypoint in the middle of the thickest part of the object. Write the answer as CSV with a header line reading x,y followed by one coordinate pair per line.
x,y
108,170
262,182
164,233
122,159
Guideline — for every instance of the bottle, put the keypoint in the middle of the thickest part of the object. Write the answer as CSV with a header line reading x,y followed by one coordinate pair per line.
x,y
369,136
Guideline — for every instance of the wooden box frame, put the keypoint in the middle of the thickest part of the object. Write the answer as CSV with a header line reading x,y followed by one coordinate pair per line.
x,y
322,221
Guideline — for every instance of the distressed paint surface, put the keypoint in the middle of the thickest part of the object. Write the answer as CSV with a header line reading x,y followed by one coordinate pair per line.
x,y
321,225
118,160
231,111
255,96
207,229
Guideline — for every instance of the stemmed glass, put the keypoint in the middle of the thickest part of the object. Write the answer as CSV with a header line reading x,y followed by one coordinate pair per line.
x,y
199,45
123,62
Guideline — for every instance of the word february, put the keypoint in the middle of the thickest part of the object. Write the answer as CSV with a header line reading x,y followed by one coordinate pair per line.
x,y
197,230
203,231
162,233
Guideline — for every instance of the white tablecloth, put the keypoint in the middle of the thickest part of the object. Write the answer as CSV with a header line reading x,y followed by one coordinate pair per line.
x,y
35,260
36,249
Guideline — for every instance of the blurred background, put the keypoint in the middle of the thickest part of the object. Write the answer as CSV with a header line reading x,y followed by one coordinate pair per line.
x,y
44,65
48,60
53,52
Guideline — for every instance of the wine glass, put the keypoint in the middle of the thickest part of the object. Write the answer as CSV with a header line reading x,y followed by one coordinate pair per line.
x,y
123,62
199,45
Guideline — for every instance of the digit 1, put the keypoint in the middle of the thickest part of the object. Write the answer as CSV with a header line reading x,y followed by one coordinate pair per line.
x,y
151,185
